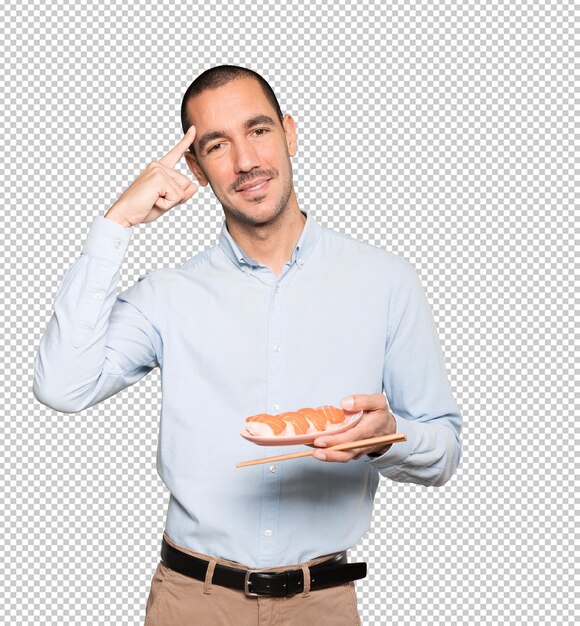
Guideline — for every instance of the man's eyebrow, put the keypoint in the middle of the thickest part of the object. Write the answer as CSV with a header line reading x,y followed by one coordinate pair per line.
x,y
258,120
216,134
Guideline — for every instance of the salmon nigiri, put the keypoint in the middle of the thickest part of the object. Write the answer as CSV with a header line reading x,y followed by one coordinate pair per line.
x,y
316,418
296,423
291,423
265,425
334,416
260,417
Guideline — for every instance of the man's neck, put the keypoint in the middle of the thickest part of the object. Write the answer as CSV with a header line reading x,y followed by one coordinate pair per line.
x,y
271,244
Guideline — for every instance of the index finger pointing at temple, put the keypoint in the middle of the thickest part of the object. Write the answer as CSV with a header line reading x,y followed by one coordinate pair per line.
x,y
172,157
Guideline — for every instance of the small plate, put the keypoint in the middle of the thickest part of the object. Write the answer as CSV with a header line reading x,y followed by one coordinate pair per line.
x,y
282,440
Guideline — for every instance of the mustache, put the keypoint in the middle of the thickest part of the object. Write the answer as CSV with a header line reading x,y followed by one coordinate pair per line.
x,y
246,179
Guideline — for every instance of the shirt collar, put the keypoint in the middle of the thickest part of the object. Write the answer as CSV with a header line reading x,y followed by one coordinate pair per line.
x,y
304,246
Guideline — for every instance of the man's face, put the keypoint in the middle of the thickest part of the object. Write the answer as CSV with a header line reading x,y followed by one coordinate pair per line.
x,y
238,146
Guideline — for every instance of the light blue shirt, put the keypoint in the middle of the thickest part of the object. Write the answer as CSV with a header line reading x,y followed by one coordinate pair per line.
x,y
232,339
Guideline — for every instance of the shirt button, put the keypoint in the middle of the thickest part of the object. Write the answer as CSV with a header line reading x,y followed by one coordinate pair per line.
x,y
116,244
276,348
275,407
278,288
98,296
273,469
300,261
268,533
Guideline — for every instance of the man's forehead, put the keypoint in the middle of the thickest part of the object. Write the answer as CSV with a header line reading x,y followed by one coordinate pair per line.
x,y
235,101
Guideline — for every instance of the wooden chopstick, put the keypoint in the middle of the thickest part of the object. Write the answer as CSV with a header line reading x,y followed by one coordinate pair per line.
x,y
362,443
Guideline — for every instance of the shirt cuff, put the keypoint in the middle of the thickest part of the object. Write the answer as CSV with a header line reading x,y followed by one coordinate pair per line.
x,y
399,451
107,240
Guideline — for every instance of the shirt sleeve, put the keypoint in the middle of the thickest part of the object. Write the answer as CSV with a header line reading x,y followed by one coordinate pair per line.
x,y
417,388
96,342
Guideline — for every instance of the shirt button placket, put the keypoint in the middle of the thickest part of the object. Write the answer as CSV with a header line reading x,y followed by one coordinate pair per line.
x,y
271,473
274,358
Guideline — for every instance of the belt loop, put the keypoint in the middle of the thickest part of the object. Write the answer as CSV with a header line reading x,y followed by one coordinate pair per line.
x,y
208,576
306,573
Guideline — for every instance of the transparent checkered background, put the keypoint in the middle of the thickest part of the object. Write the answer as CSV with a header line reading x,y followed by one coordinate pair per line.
x,y
442,131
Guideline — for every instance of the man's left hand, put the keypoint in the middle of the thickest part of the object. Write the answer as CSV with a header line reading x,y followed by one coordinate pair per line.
x,y
376,421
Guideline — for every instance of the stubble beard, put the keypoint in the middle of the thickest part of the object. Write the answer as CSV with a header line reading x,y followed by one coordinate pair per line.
x,y
235,213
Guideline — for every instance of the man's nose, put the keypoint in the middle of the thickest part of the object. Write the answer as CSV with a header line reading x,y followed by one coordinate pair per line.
x,y
245,157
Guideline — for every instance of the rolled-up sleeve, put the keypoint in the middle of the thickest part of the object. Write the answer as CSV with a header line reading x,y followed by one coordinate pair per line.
x,y
416,384
96,342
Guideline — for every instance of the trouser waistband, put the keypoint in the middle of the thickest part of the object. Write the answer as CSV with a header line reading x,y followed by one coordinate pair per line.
x,y
329,573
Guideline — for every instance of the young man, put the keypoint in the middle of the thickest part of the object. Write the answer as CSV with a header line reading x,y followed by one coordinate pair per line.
x,y
280,314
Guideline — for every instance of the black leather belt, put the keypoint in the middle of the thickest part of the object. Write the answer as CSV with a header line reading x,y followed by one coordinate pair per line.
x,y
335,571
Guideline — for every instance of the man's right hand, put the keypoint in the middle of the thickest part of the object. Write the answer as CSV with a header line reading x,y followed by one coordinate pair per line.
x,y
157,189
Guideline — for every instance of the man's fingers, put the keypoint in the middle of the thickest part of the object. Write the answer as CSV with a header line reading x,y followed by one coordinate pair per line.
x,y
364,402
374,405
190,190
327,441
170,195
339,456
172,157
332,456
179,179
356,433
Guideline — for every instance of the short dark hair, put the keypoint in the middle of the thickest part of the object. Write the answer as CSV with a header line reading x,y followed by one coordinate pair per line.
x,y
218,76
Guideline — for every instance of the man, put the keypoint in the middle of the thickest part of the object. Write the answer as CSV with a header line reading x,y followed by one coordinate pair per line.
x,y
281,314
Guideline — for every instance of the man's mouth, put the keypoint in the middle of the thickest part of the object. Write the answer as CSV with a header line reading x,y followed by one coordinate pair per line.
x,y
262,185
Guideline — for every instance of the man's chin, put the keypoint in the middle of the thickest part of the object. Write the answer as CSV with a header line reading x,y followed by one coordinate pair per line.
x,y
260,215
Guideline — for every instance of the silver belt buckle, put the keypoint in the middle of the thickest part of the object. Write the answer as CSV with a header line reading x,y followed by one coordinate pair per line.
x,y
248,582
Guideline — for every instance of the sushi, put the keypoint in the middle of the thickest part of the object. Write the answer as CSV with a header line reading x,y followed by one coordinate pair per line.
x,y
301,422
333,415
265,425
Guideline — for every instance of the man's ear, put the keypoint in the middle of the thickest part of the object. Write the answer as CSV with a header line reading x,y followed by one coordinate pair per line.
x,y
193,165
290,130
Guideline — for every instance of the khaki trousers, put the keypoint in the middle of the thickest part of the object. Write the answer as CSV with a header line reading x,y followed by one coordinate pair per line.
x,y
178,600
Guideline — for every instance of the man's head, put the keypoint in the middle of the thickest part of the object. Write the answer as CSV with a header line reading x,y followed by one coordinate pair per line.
x,y
217,77
241,139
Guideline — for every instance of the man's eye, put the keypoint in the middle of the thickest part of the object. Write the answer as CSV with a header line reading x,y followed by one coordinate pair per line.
x,y
261,132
